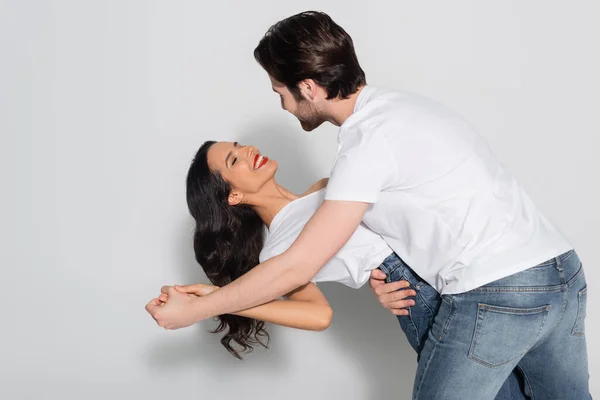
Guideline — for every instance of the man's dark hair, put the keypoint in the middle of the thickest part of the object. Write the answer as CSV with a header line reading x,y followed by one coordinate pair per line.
x,y
310,45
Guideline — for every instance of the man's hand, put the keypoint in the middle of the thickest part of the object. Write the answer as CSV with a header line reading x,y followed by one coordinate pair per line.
x,y
321,238
176,311
392,296
197,290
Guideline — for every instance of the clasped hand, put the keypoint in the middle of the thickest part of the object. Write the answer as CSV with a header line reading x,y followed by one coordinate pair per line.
x,y
174,307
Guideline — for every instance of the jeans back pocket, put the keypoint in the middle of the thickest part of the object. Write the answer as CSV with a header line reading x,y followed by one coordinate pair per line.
x,y
503,334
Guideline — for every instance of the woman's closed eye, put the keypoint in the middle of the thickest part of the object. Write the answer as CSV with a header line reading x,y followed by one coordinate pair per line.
x,y
236,145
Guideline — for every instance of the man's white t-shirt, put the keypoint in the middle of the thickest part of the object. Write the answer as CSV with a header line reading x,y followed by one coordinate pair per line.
x,y
351,265
440,198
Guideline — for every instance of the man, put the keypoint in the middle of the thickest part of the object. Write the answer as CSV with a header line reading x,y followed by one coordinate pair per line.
x,y
418,175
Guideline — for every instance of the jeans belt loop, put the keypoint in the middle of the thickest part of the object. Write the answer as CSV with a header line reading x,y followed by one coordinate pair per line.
x,y
559,265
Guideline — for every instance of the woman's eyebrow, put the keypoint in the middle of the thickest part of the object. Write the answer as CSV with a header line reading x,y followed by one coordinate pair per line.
x,y
229,154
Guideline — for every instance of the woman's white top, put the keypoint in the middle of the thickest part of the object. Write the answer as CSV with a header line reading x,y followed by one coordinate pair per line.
x,y
352,265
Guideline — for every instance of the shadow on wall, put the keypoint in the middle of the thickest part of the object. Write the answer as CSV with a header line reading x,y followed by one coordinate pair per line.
x,y
372,337
368,334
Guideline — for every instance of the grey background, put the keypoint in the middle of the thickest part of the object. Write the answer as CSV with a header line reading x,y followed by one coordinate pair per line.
x,y
104,103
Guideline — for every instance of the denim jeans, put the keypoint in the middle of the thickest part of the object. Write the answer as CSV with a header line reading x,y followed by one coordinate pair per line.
x,y
420,319
533,320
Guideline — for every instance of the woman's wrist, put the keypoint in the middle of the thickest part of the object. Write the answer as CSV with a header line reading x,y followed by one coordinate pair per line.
x,y
201,309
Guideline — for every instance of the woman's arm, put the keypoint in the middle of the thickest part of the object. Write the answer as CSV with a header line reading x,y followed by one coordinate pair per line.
x,y
306,307
324,235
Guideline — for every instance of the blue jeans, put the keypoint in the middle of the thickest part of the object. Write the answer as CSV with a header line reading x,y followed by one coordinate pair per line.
x,y
533,320
421,316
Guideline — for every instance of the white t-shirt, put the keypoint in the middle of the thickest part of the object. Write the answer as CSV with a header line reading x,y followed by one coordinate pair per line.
x,y
440,198
351,266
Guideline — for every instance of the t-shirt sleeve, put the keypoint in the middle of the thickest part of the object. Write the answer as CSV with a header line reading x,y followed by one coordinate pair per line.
x,y
362,170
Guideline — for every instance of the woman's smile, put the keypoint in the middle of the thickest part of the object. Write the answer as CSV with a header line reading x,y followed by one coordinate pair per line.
x,y
260,161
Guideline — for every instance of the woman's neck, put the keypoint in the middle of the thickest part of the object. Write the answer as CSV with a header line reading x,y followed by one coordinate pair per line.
x,y
271,201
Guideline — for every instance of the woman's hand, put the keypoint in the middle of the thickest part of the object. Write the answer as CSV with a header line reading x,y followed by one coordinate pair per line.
x,y
177,311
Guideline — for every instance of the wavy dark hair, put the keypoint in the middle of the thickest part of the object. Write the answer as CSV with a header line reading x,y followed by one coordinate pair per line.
x,y
310,45
227,244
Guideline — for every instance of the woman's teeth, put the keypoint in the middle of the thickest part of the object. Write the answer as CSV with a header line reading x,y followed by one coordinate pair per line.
x,y
258,162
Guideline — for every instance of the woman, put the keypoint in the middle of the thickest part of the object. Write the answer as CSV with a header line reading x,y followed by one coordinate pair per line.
x,y
243,216
232,195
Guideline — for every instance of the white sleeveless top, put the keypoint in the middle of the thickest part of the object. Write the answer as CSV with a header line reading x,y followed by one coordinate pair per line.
x,y
352,265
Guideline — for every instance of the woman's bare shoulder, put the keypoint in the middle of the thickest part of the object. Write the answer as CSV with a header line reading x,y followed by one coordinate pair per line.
x,y
318,185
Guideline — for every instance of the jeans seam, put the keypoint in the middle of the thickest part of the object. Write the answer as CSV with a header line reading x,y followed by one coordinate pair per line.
x,y
577,276
561,257
561,315
416,331
553,288
410,317
420,296
527,383
442,334
417,289
446,326
421,378
514,311
575,331
513,289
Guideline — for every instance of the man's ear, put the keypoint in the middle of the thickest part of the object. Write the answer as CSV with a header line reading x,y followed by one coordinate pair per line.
x,y
235,198
308,89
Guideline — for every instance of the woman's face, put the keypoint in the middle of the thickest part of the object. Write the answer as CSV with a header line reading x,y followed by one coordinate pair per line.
x,y
243,167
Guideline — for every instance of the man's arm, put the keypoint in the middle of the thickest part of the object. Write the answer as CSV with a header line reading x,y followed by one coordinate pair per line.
x,y
305,308
322,237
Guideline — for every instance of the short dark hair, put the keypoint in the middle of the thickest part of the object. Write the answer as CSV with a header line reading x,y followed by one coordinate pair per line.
x,y
310,45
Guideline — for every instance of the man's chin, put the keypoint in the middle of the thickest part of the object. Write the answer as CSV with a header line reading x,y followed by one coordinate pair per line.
x,y
309,127
306,128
